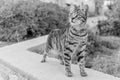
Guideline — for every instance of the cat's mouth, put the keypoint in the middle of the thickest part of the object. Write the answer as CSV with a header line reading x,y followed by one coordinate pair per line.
x,y
80,21
82,30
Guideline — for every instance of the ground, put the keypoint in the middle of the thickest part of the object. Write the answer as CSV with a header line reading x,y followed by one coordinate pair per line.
x,y
8,74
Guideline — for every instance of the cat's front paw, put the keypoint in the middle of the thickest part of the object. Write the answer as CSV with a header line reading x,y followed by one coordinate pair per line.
x,y
62,63
43,61
83,74
69,74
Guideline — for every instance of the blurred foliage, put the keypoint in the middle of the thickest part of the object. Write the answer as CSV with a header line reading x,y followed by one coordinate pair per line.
x,y
107,28
107,64
27,19
103,54
114,10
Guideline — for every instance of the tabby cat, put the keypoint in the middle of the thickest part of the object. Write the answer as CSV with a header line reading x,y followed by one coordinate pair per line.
x,y
71,40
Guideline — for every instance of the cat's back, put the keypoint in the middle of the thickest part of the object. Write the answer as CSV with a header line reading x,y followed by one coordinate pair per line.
x,y
58,33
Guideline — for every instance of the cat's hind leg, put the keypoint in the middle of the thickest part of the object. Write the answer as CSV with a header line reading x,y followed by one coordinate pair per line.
x,y
61,59
44,57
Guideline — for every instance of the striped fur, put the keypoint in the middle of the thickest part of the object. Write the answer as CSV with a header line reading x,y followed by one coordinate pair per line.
x,y
70,43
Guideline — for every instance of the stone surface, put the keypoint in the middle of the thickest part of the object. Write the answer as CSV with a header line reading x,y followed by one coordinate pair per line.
x,y
13,77
1,78
8,74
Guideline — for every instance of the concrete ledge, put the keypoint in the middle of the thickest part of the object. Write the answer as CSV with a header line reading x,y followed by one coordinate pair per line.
x,y
17,58
16,71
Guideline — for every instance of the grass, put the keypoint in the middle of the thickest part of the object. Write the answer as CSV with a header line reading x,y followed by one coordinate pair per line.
x,y
107,60
37,49
107,64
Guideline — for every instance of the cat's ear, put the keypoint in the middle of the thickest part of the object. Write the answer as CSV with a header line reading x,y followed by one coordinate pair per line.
x,y
70,7
86,8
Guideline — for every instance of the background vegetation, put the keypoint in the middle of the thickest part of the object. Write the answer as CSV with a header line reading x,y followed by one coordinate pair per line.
x,y
106,57
27,19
